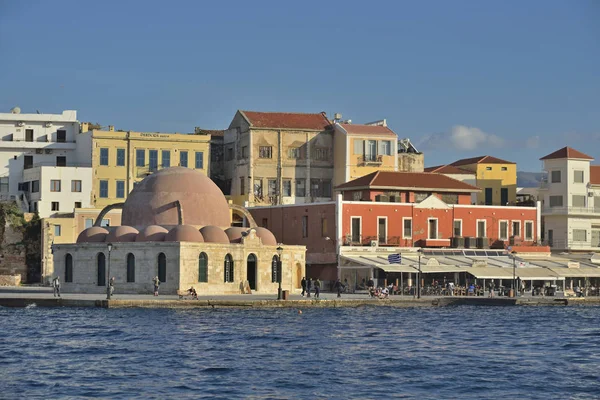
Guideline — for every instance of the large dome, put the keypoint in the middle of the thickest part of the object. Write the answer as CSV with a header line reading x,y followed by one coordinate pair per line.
x,y
153,200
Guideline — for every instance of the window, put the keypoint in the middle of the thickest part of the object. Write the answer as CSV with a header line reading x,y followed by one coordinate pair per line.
x,y
406,228
76,186
272,186
120,189
457,228
57,230
27,162
140,158
242,185
229,156
103,156
450,198
528,230
61,136
481,228
355,229
578,176
555,177
579,235
578,201
385,147
323,227
55,206
359,146
105,222
244,151
29,135
68,268
357,196
228,268
503,232
4,185
419,197
315,188
55,185
382,230
35,206
89,222
258,189
152,160
294,153
326,188
432,227
503,169
203,268
321,154
300,188
120,157
183,159
61,161
516,228
488,168
166,158
305,226
77,204
265,152
101,264
287,187
104,189
199,160
130,267
162,267
556,201
370,150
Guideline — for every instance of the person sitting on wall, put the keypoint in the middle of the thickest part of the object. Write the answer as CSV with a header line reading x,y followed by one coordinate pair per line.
x,y
191,291
384,294
472,290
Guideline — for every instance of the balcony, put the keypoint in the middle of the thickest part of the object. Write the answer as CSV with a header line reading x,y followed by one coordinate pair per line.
x,y
571,211
370,160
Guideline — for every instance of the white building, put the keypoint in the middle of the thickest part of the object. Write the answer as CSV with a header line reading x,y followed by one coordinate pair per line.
x,y
571,201
39,140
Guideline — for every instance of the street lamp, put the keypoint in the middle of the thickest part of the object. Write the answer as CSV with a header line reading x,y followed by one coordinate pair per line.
x,y
109,246
279,270
420,251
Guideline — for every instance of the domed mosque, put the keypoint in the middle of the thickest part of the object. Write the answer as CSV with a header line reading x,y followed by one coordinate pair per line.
x,y
176,224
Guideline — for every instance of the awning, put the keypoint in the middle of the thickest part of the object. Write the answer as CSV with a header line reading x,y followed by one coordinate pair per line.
x,y
490,272
538,274
377,262
433,269
577,272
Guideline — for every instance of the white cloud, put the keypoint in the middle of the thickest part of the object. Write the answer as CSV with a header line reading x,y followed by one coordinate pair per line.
x,y
533,142
463,138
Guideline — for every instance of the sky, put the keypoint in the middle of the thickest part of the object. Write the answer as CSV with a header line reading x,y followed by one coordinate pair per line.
x,y
512,79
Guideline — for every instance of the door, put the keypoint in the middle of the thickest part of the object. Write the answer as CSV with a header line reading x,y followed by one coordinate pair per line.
x,y
101,260
550,237
29,135
433,229
503,196
162,267
382,230
489,196
61,136
251,271
355,230
370,150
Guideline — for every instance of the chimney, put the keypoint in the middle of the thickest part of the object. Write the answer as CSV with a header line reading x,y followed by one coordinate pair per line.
x,y
84,127
111,128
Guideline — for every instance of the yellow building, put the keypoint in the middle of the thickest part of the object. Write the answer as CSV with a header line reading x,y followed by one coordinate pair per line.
x,y
496,178
362,149
122,159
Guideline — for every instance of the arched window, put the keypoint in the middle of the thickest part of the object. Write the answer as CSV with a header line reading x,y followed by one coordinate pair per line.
x,y
130,267
274,268
101,262
162,267
228,268
68,268
203,268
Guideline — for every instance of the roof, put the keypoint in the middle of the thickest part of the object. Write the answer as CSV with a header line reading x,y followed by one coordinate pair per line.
x,y
595,174
256,119
211,132
448,169
408,180
480,160
567,152
357,129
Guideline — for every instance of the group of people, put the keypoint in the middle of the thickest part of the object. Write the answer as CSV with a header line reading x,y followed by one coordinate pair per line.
x,y
307,286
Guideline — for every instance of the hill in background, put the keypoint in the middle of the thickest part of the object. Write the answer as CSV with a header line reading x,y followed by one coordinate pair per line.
x,y
529,179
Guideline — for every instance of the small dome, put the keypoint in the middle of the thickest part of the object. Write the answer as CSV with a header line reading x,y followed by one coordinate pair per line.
x,y
214,234
184,233
122,234
152,233
235,234
266,236
94,234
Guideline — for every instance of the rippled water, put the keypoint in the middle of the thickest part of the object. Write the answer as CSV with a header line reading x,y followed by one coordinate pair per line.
x,y
370,352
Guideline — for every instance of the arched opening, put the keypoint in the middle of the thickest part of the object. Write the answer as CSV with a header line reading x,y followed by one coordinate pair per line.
x,y
68,268
130,267
101,261
162,267
203,268
274,268
228,268
251,271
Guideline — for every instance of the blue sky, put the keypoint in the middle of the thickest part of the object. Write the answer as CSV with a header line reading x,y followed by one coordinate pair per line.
x,y
512,79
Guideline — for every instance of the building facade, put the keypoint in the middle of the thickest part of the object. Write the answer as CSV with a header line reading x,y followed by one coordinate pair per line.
x,y
571,201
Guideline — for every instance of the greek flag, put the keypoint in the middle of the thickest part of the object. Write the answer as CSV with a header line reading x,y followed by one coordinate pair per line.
x,y
395,259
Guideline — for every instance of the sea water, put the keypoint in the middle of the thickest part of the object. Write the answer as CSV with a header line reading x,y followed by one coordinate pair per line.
x,y
362,353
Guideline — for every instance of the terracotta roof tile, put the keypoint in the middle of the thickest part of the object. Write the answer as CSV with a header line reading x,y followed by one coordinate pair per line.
x,y
595,174
480,160
283,120
408,180
357,129
567,152
448,169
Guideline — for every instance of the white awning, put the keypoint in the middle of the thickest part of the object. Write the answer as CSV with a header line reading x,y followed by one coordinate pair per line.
x,y
581,272
376,262
490,272
537,274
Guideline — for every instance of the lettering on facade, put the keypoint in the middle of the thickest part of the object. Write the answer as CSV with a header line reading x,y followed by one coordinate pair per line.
x,y
156,135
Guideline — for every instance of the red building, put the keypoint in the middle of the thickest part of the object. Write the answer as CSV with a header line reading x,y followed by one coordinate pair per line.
x,y
397,210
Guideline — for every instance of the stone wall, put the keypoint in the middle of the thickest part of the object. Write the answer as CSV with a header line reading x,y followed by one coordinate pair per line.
x,y
411,162
10,280
15,235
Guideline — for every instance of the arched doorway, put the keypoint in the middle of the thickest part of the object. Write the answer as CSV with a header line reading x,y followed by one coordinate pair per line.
x,y
228,268
162,267
130,267
69,268
101,261
251,271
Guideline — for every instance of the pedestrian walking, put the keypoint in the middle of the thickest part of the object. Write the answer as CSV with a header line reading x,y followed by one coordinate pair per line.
x,y
303,284
156,282
492,287
338,286
308,286
317,287
56,286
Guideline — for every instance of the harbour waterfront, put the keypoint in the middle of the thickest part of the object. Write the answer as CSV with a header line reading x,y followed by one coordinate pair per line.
x,y
365,352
